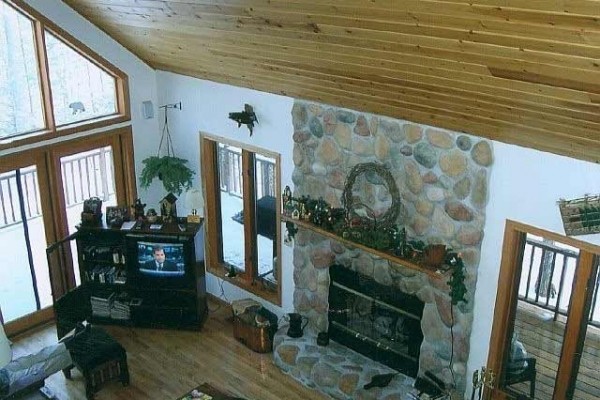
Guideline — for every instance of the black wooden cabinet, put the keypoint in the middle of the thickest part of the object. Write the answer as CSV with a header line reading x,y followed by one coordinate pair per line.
x,y
119,289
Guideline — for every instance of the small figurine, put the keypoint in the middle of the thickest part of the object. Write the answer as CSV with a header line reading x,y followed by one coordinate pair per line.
x,y
287,196
138,209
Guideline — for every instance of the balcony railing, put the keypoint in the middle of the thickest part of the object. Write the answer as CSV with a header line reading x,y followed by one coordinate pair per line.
x,y
547,279
84,175
230,173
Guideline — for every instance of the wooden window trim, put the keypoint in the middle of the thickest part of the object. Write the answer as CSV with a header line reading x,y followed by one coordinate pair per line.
x,y
505,307
40,24
214,251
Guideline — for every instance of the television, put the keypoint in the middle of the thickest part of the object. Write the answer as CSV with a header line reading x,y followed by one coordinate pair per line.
x,y
160,261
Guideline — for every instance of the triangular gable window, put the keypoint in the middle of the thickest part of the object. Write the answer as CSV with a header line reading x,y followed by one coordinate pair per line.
x,y
80,89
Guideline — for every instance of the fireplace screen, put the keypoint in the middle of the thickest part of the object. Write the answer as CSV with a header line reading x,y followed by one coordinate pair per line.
x,y
375,320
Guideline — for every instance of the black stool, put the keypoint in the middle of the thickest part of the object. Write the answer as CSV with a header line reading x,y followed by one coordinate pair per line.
x,y
98,356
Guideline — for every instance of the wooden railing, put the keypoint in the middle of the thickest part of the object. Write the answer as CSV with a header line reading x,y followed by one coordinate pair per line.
x,y
84,175
230,173
547,282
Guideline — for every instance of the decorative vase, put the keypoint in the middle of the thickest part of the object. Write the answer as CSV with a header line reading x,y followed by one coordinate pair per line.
x,y
434,255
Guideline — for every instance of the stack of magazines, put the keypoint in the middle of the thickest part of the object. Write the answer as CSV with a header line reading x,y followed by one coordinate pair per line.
x,y
120,308
101,302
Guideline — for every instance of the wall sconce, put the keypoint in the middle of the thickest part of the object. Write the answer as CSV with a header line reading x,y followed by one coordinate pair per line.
x,y
246,117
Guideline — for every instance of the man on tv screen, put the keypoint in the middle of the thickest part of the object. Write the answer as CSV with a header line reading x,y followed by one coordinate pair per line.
x,y
159,261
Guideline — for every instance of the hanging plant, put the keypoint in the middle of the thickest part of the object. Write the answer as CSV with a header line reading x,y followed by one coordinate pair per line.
x,y
172,171
175,175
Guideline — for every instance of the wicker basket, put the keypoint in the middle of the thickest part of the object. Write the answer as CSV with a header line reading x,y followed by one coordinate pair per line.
x,y
580,216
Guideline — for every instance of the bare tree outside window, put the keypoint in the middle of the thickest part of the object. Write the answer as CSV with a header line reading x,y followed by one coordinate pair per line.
x,y
20,96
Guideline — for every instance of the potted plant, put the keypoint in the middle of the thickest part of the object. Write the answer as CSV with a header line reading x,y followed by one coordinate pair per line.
x,y
171,170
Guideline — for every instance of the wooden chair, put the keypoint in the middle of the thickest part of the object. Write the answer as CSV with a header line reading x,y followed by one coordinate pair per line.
x,y
522,370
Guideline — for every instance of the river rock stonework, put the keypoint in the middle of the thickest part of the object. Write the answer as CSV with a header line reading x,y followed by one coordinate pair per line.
x,y
442,177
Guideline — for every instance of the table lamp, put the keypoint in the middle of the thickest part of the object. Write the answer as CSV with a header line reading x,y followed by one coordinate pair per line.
x,y
194,201
5,350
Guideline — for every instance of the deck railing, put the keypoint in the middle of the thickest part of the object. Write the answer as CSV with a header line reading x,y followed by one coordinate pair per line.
x,y
84,175
230,173
547,279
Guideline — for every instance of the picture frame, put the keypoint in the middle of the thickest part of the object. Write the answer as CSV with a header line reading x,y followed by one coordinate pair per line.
x,y
115,216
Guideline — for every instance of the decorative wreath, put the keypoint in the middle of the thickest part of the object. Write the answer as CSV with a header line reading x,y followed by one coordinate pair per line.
x,y
389,218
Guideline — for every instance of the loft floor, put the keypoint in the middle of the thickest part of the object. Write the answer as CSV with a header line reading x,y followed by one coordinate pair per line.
x,y
165,364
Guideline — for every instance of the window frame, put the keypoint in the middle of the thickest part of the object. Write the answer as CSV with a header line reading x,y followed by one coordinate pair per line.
x,y
50,130
515,235
214,249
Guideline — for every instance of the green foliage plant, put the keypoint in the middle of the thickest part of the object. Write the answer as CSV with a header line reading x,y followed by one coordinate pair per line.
x,y
172,171
458,289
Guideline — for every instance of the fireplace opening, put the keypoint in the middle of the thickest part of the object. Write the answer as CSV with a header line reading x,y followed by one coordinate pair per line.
x,y
375,320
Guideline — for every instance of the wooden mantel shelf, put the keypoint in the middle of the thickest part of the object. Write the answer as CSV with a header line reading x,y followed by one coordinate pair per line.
x,y
436,273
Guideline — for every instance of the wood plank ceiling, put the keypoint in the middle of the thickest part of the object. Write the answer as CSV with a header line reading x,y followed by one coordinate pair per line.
x,y
525,72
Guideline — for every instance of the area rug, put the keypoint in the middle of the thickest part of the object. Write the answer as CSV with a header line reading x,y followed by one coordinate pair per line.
x,y
207,392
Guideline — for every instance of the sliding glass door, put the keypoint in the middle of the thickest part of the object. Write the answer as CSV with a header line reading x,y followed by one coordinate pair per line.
x,y
25,284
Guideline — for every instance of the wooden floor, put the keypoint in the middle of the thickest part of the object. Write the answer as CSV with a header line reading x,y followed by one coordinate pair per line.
x,y
165,364
543,338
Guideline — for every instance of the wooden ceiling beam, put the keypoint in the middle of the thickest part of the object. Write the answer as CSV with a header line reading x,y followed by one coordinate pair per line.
x,y
381,78
524,136
442,106
383,71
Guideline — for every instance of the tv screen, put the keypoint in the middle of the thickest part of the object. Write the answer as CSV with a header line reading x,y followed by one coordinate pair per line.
x,y
161,259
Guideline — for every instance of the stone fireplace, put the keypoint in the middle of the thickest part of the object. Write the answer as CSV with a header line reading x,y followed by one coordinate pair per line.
x,y
375,320
442,177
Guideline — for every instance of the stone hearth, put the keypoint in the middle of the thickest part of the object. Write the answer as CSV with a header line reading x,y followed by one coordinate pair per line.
x,y
442,177
335,369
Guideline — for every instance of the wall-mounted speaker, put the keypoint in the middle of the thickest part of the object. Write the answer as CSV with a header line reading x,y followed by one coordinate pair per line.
x,y
147,109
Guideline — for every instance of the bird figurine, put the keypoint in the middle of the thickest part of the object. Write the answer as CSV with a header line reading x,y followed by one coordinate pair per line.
x,y
381,380
246,117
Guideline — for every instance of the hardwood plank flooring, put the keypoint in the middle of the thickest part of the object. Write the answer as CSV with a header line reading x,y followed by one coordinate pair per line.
x,y
165,364
543,338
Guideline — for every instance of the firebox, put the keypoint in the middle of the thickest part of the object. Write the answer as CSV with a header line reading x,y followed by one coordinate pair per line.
x,y
375,320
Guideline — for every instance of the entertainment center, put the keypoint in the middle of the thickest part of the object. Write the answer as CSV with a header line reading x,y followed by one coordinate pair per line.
x,y
143,276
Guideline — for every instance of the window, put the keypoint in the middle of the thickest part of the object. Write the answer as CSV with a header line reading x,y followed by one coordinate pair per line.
x,y
50,84
20,95
242,215
90,96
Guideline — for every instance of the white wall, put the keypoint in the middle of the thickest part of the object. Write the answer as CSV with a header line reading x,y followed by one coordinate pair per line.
x,y
205,108
142,78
